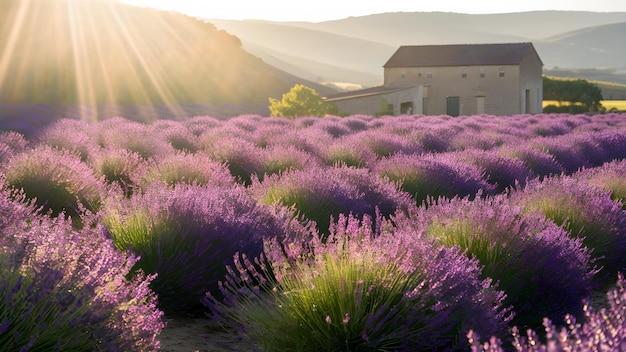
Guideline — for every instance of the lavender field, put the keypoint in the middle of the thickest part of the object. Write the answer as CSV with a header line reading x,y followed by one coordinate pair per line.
x,y
402,233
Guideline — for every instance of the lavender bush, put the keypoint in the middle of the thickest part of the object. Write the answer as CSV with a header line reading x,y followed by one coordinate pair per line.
x,y
243,158
72,135
539,162
357,290
57,179
432,175
315,193
280,158
64,289
603,329
611,176
586,211
196,168
177,135
120,167
119,133
187,234
535,262
500,171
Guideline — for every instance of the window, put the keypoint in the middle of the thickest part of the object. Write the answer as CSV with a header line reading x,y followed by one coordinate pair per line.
x,y
463,72
482,71
429,72
501,71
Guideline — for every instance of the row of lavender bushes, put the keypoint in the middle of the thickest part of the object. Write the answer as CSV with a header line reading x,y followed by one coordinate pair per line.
x,y
350,233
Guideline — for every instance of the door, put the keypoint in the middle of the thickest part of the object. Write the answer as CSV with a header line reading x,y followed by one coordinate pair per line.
x,y
480,105
453,106
528,109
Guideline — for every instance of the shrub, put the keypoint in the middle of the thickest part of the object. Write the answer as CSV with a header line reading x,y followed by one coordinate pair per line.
x,y
500,171
69,134
176,134
243,158
429,175
63,289
278,159
611,177
345,153
187,234
355,291
603,329
540,163
57,179
315,193
120,167
384,144
586,211
196,168
11,143
541,270
613,142
564,151
119,133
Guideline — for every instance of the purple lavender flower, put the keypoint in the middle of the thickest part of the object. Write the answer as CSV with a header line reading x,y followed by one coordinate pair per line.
x,y
540,163
68,289
177,134
57,179
188,233
603,329
611,177
72,135
243,158
196,168
438,175
119,133
501,171
316,193
587,211
358,289
535,262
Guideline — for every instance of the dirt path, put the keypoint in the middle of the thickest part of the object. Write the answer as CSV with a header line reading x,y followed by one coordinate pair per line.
x,y
187,334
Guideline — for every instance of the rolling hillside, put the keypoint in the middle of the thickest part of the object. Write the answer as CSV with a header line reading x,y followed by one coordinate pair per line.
x,y
564,39
103,53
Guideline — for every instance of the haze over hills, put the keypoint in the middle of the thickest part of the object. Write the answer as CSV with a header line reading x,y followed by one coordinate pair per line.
x,y
102,52
563,39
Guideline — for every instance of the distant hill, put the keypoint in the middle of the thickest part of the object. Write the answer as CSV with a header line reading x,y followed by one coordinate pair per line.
x,y
101,53
563,39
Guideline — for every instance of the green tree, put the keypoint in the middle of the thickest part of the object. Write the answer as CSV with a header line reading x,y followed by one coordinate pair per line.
x,y
301,101
582,95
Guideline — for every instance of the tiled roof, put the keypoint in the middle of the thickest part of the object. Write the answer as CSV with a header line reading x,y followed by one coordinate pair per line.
x,y
460,55
366,92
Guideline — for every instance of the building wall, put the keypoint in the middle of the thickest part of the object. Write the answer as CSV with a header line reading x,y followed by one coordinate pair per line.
x,y
501,95
531,79
372,104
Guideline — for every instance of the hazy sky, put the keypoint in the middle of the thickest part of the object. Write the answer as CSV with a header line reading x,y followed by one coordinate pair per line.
x,y
322,10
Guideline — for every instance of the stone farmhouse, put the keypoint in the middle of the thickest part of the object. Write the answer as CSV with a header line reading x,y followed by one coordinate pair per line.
x,y
467,79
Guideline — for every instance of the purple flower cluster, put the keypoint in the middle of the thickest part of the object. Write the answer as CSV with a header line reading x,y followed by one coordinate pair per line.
x,y
534,261
602,329
358,289
586,211
68,289
57,179
433,176
188,233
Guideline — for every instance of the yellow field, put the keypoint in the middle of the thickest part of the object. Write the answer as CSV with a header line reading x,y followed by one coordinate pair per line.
x,y
619,105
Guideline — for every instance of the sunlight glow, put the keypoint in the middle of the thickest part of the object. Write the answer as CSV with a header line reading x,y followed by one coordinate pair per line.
x,y
85,53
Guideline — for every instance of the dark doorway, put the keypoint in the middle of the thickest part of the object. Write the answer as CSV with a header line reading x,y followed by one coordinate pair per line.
x,y
406,108
453,106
